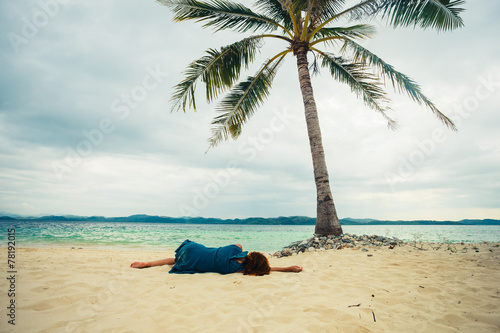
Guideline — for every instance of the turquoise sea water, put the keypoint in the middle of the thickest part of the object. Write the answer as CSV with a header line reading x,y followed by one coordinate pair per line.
x,y
164,236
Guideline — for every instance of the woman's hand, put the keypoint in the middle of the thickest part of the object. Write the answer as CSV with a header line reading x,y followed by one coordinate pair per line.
x,y
294,269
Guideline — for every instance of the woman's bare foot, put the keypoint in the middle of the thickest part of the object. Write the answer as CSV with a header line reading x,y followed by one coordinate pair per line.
x,y
139,264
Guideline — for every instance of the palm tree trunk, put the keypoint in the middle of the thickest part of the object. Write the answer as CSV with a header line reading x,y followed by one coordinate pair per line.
x,y
327,222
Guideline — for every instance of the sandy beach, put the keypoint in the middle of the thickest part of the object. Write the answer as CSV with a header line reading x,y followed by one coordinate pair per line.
x,y
404,289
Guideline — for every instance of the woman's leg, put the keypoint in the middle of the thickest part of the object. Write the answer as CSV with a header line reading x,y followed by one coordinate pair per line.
x,y
161,262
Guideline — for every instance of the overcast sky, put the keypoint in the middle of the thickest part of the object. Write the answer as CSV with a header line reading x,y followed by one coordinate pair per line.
x,y
86,128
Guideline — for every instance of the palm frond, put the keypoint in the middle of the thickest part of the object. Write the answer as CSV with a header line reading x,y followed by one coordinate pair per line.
x,y
220,15
360,31
317,8
322,9
438,14
356,31
316,11
362,9
361,82
241,102
218,70
313,67
400,81
275,10
292,8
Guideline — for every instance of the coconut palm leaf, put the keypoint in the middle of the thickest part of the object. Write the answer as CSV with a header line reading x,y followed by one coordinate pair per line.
x,y
356,31
218,69
400,81
241,102
274,10
316,11
359,11
322,9
220,15
361,82
438,14
329,35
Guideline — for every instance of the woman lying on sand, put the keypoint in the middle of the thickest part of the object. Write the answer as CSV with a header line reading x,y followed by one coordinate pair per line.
x,y
191,257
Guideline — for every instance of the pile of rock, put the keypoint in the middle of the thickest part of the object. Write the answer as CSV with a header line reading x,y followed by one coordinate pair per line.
x,y
322,243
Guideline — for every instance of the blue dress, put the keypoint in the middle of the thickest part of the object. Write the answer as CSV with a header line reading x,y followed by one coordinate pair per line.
x,y
191,257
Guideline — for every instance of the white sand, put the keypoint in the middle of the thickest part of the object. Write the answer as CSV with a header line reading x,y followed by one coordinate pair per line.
x,y
399,290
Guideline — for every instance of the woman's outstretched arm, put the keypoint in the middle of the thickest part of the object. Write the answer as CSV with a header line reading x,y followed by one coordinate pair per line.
x,y
294,269
161,262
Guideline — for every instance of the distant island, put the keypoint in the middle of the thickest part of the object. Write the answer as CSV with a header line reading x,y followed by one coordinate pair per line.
x,y
282,220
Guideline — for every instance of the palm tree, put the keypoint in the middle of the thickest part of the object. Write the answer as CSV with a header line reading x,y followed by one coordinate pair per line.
x,y
303,26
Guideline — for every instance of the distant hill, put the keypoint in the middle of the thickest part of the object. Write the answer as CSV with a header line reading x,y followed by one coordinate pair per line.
x,y
282,220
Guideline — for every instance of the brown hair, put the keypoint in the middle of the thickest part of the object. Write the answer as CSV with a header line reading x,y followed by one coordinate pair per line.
x,y
256,264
